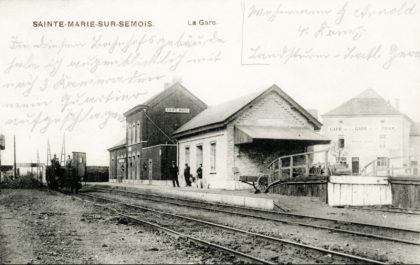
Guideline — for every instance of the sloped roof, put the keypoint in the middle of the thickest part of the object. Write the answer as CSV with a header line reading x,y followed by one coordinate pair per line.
x,y
120,143
369,102
219,115
282,133
163,94
415,129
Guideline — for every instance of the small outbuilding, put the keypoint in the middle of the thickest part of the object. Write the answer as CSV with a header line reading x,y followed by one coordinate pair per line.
x,y
242,136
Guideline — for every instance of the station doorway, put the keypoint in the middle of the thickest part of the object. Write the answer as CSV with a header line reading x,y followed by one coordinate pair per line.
x,y
355,165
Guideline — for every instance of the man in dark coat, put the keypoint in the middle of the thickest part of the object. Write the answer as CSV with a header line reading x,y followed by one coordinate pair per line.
x,y
187,175
200,176
173,172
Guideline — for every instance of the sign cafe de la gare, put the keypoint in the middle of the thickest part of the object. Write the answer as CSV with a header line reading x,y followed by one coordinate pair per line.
x,y
361,128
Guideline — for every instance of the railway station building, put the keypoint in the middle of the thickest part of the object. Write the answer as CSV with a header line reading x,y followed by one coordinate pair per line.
x,y
367,128
242,136
147,151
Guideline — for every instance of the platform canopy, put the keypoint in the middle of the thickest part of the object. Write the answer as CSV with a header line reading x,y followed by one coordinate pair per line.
x,y
247,133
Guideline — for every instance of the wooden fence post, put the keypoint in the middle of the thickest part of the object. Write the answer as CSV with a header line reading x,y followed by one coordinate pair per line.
x,y
280,170
326,164
291,167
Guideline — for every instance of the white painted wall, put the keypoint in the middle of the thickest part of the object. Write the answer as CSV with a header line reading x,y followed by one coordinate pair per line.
x,y
216,179
359,191
362,136
415,146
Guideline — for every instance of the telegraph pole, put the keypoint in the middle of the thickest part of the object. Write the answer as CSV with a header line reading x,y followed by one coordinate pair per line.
x,y
0,166
14,157
37,168
2,147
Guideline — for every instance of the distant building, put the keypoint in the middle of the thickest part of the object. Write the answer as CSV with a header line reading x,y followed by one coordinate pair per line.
x,y
241,137
415,147
148,150
367,128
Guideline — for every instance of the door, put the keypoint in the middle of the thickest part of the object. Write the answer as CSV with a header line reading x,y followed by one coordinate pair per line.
x,y
150,170
199,155
121,169
355,165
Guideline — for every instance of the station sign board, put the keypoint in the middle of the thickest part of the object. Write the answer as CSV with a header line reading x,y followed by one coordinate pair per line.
x,y
2,142
177,110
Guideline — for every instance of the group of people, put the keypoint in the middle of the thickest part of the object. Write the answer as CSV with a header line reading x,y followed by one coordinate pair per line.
x,y
56,164
189,178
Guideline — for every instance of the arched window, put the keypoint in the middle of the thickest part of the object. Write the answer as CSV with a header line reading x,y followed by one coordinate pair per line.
x,y
133,131
138,132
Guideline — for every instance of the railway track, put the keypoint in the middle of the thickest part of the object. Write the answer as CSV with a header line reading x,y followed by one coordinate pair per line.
x,y
404,236
209,229
389,210
241,256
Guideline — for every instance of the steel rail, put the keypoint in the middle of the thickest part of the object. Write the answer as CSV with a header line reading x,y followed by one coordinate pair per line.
x,y
242,256
266,211
352,232
337,253
391,210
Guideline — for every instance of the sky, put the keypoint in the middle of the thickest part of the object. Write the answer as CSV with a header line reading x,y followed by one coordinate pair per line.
x,y
73,67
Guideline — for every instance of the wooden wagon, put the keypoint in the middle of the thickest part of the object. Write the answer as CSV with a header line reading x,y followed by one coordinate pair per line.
x,y
290,167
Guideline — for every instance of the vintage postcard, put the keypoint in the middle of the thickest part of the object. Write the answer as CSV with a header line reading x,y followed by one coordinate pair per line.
x,y
226,131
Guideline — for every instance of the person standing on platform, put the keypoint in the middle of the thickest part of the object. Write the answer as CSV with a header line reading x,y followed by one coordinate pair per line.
x,y
173,172
187,175
200,176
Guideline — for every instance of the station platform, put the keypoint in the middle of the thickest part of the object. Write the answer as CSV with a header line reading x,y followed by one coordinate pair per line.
x,y
245,198
303,205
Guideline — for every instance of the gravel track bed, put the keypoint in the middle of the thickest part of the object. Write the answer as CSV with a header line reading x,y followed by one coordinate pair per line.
x,y
380,231
40,227
264,249
238,241
370,248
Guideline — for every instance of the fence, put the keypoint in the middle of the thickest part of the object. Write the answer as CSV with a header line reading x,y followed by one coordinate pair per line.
x,y
400,166
301,164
